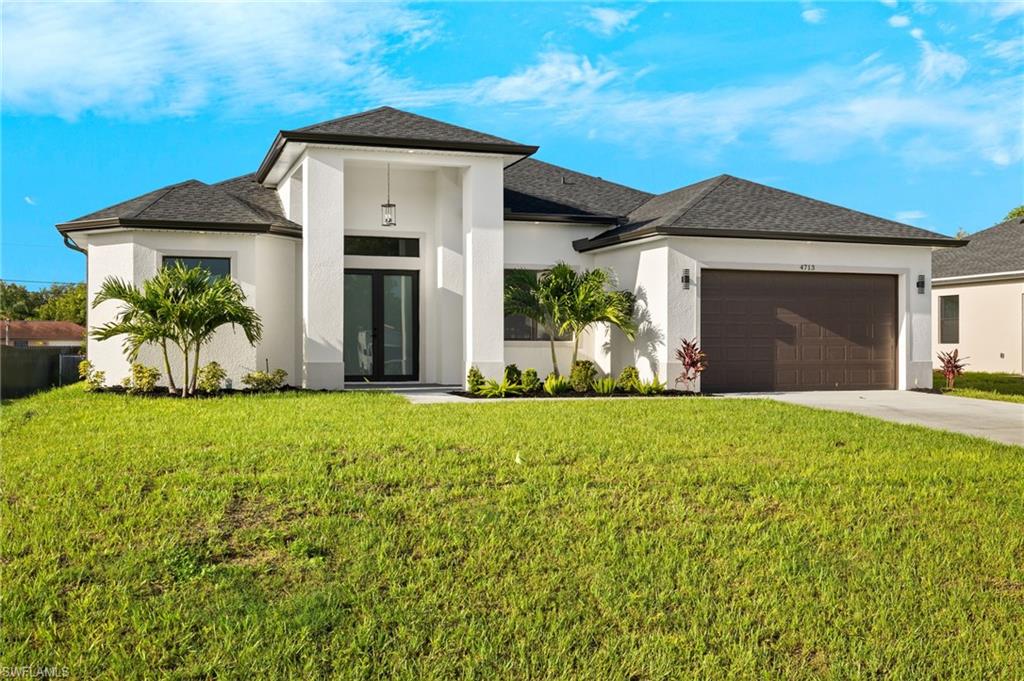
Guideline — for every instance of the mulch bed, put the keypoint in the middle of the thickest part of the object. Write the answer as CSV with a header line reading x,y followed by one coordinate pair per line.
x,y
571,395
162,392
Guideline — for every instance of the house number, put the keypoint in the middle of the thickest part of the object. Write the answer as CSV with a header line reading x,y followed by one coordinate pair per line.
x,y
807,268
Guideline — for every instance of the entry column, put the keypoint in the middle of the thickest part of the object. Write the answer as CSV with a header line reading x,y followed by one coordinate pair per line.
x,y
323,270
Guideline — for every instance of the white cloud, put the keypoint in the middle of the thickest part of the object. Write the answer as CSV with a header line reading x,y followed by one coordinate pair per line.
x,y
174,59
1011,50
558,77
608,21
1004,10
940,64
889,3
917,33
30,201
910,215
813,15
921,7
899,20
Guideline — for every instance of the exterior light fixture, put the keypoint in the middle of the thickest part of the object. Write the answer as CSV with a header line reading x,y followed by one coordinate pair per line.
x,y
920,284
388,214
686,279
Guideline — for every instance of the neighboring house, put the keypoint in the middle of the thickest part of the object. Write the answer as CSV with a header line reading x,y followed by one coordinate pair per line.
x,y
42,334
978,298
373,246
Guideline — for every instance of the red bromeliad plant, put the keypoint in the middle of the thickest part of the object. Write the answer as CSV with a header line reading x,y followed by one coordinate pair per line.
x,y
952,366
694,362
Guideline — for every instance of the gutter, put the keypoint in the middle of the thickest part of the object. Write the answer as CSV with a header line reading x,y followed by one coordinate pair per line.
x,y
66,228
978,278
562,217
584,245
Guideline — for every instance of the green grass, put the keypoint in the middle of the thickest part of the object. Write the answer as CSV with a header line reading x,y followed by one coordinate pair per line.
x,y
357,536
986,386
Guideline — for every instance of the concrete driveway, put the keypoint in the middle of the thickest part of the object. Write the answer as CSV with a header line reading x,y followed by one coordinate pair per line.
x,y
999,421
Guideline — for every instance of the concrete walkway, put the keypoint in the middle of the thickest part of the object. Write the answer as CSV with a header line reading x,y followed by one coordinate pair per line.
x,y
999,421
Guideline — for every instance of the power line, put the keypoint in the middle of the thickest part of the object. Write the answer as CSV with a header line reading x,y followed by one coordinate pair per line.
x,y
37,281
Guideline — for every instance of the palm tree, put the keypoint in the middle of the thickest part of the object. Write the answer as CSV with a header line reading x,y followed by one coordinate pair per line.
x,y
589,301
178,305
562,299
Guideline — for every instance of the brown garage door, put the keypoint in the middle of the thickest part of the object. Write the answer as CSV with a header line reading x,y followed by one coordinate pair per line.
x,y
797,331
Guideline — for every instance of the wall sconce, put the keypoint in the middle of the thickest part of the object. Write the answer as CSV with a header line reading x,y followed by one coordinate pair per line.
x,y
920,284
686,279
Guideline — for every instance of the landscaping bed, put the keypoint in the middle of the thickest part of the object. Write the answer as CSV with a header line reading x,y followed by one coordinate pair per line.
x,y
583,395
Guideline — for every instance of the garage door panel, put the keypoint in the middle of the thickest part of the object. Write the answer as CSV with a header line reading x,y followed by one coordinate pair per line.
x,y
798,331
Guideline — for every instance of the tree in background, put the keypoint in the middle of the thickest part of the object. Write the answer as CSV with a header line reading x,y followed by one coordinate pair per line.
x,y
61,302
69,305
1017,212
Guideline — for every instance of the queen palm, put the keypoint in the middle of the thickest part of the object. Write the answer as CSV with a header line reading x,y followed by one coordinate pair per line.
x,y
181,306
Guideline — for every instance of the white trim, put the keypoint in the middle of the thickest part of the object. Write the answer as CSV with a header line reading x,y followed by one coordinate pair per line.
x,y
969,278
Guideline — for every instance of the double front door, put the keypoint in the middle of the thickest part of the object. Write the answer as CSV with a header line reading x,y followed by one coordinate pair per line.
x,y
381,325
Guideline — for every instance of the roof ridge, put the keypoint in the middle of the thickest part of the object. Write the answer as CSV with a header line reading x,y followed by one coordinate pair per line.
x,y
593,177
716,182
167,190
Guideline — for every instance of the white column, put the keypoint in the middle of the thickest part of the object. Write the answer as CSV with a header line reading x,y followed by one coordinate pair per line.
x,y
323,271
483,243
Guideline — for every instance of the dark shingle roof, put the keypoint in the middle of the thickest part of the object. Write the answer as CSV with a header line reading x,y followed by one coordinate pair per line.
x,y
535,187
389,127
996,249
735,207
388,122
236,202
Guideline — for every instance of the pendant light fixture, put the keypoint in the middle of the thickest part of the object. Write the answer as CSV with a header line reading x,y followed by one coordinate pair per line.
x,y
388,215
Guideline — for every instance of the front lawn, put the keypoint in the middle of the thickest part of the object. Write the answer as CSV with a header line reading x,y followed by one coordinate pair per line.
x,y
303,535
983,385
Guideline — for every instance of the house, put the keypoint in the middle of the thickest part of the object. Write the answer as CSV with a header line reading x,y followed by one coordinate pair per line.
x,y
42,334
374,246
978,298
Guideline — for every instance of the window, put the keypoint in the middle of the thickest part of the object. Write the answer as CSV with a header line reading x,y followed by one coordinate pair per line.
x,y
949,319
217,267
390,247
518,327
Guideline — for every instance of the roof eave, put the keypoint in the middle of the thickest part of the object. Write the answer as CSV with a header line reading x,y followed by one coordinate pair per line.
x,y
563,217
979,278
285,136
583,245
66,228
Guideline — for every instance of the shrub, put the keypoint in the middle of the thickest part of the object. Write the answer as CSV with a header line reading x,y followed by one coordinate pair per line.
x,y
952,366
93,379
141,379
263,381
211,377
604,386
513,374
652,387
474,379
582,376
629,380
531,382
556,385
492,388
694,362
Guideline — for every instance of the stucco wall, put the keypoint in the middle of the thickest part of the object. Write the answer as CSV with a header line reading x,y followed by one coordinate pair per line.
x,y
655,269
259,263
991,325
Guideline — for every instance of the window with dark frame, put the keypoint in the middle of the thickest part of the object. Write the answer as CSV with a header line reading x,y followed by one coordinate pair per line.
x,y
520,327
386,246
217,267
949,319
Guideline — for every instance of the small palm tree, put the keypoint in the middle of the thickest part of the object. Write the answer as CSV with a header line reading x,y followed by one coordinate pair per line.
x,y
589,301
562,299
179,305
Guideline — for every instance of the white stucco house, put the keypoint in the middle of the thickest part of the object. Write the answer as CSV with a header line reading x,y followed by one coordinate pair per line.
x,y
783,291
978,298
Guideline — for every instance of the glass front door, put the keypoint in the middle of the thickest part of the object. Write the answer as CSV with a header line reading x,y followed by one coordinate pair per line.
x,y
381,325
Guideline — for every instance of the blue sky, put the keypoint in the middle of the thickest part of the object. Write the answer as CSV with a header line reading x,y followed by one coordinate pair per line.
x,y
912,111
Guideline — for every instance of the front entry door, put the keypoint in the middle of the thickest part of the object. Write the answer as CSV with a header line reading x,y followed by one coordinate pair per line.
x,y
381,325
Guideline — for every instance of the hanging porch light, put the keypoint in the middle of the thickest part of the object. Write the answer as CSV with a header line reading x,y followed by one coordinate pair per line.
x,y
388,214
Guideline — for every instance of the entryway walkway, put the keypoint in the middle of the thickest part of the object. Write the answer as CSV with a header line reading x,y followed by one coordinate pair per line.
x,y
999,421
